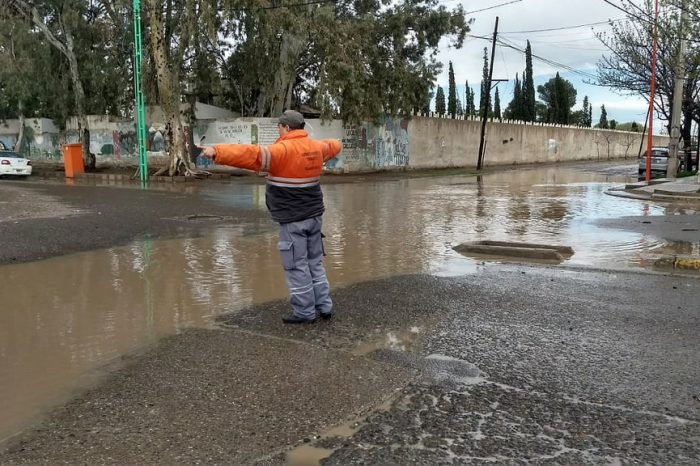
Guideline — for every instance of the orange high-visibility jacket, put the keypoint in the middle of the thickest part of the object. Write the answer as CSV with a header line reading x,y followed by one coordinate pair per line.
x,y
293,165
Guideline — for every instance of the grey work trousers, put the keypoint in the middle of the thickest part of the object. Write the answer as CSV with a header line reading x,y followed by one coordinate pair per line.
x,y
301,252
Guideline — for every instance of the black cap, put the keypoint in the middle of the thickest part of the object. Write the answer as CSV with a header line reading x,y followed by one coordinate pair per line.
x,y
293,119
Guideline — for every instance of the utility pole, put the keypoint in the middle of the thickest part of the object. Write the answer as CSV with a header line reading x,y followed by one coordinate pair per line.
x,y
679,79
650,134
485,113
140,112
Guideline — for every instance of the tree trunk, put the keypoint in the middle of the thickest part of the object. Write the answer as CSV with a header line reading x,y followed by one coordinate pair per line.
x,y
685,126
291,48
169,93
20,137
79,97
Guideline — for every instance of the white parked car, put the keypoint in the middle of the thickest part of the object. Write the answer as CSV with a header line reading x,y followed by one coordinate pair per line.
x,y
659,162
12,164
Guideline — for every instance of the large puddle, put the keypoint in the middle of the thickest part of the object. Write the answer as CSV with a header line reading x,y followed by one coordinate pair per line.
x,y
63,317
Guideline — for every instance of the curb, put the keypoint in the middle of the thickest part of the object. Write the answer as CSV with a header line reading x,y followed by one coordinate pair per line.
x,y
690,194
627,195
115,177
679,262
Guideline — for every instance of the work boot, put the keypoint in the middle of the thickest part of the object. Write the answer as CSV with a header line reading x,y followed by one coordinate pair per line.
x,y
295,319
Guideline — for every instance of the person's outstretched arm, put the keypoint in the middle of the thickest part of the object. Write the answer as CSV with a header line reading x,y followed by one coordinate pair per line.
x,y
331,148
246,156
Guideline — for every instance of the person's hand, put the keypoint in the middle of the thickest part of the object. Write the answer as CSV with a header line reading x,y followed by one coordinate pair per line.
x,y
208,152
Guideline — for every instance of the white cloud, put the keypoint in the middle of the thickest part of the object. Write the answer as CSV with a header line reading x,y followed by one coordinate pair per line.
x,y
576,48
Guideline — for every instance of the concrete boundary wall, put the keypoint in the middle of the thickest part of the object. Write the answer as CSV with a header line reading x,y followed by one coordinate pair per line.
x,y
394,144
442,142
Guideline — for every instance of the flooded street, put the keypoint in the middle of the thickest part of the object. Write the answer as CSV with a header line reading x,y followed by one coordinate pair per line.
x,y
63,317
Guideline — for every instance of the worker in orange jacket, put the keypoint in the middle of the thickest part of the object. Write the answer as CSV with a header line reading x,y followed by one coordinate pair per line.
x,y
293,195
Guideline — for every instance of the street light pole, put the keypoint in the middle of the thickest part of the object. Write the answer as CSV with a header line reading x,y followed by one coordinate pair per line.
x,y
140,112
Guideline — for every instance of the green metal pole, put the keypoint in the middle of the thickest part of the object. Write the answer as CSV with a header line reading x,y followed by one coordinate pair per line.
x,y
140,107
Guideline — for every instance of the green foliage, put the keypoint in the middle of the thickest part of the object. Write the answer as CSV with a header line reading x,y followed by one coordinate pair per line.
x,y
514,111
583,117
452,94
559,95
469,106
354,59
440,101
603,122
528,90
586,118
38,74
497,105
484,100
364,59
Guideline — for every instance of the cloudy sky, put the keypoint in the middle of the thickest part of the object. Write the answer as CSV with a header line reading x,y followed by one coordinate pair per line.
x,y
576,47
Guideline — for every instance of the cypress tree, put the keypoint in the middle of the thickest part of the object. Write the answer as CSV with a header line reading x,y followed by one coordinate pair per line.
x,y
497,105
440,101
452,94
485,91
517,103
469,107
603,123
584,113
528,91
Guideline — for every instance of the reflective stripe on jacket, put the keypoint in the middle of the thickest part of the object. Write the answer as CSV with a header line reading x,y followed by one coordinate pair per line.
x,y
293,165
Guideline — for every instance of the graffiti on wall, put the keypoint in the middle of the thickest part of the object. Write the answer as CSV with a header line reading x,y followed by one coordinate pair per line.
x,y
365,146
391,144
368,146
117,144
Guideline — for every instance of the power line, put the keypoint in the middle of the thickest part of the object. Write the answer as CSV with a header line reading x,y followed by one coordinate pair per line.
x,y
585,74
564,27
628,13
492,7
505,43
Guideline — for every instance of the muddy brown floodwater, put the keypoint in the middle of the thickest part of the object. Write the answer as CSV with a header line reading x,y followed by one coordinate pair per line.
x,y
65,317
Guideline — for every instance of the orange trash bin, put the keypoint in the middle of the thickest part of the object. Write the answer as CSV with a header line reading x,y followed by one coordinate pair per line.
x,y
73,159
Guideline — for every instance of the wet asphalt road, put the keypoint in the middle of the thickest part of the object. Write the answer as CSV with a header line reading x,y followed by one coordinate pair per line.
x,y
41,220
511,364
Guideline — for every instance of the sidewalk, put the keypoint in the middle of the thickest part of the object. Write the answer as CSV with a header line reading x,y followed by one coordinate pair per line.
x,y
682,191
670,189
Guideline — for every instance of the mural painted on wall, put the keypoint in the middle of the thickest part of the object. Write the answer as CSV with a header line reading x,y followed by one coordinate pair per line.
x,y
117,144
370,147
391,144
259,131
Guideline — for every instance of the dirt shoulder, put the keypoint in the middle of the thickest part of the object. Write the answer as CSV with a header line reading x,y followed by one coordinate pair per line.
x,y
42,220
